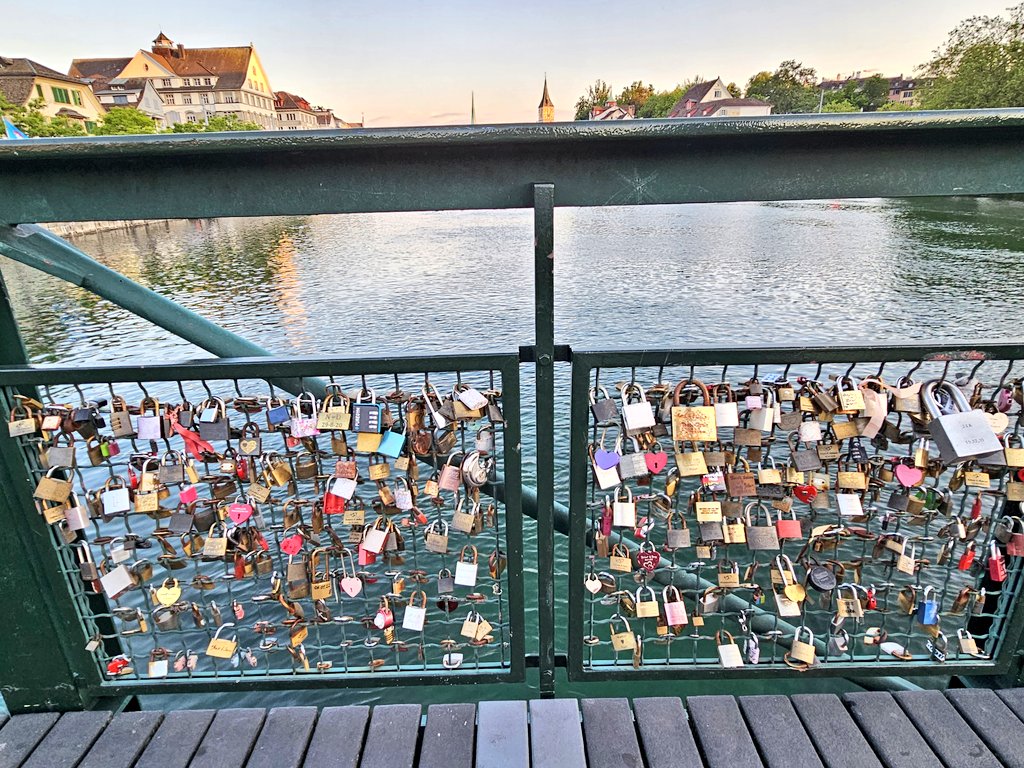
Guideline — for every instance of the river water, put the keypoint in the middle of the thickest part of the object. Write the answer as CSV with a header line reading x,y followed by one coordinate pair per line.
x,y
868,271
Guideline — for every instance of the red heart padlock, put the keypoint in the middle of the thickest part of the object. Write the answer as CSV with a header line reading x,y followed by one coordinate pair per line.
x,y
805,493
648,559
656,461
292,545
1020,475
239,513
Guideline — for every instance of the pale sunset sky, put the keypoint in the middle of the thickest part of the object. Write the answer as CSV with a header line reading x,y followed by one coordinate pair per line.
x,y
415,63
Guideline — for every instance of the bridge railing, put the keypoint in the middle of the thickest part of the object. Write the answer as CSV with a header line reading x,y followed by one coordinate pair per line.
x,y
480,167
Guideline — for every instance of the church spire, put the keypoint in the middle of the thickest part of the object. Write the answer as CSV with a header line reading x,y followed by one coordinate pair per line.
x,y
546,109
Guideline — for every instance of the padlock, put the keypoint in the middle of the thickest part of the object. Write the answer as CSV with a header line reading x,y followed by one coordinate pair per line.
x,y
367,413
619,559
675,607
729,655
624,509
220,647
436,537
466,569
213,420
604,409
760,537
646,608
788,528
335,410
451,474
676,537
622,640
996,563
304,416
801,650
961,435
849,607
693,423
415,614
637,415
928,607
728,574
968,644
250,443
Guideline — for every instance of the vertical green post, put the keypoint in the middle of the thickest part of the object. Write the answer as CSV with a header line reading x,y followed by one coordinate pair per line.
x,y
43,662
544,307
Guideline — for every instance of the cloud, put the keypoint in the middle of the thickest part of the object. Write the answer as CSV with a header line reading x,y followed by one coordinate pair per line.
x,y
447,114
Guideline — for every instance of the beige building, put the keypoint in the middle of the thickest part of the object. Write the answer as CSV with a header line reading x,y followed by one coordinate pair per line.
x,y
23,81
294,113
713,99
195,84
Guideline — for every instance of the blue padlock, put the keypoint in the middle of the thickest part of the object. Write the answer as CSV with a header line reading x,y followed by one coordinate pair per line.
x,y
928,608
392,443
367,416
278,414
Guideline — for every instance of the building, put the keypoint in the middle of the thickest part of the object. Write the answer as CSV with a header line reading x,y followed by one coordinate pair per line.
x,y
612,111
901,90
713,99
113,91
294,113
23,81
545,110
195,84
327,119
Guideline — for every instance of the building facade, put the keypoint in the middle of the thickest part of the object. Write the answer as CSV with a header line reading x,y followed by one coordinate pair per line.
x,y
194,84
612,111
114,91
294,113
23,81
713,99
901,90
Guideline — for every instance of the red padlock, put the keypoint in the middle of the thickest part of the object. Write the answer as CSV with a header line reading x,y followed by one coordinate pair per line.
x,y
606,518
976,507
133,479
967,558
384,618
118,665
996,564
242,469
366,557
872,601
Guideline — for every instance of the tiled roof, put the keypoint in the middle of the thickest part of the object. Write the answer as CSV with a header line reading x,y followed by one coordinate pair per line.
x,y
284,100
710,107
698,91
17,76
99,70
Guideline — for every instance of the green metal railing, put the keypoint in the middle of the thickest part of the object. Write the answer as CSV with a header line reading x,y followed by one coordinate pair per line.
x,y
525,166
995,623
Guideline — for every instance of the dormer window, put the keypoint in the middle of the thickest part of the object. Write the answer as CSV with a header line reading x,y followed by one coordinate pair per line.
x,y
718,94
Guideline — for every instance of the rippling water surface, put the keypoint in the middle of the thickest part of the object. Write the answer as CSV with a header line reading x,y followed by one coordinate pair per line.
x,y
899,271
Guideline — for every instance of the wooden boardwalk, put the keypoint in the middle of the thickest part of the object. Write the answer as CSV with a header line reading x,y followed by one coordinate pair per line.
x,y
976,728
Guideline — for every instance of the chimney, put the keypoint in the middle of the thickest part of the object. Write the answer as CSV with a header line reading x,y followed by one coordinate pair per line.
x,y
181,51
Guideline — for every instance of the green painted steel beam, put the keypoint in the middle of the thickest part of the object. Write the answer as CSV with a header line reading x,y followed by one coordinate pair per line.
x,y
789,157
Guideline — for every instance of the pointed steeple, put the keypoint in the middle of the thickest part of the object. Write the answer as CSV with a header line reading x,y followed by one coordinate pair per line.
x,y
472,108
546,108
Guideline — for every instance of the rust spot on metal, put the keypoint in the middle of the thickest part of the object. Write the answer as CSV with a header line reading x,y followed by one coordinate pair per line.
x,y
964,354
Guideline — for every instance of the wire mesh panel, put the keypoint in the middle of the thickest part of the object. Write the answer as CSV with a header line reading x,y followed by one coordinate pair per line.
x,y
236,522
775,511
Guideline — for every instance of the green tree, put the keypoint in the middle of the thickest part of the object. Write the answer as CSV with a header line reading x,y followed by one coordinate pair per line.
x,y
216,124
840,105
789,89
596,96
873,93
735,90
125,120
981,64
35,124
636,93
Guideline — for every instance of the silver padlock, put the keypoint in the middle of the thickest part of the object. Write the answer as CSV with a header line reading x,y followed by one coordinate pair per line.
x,y
962,435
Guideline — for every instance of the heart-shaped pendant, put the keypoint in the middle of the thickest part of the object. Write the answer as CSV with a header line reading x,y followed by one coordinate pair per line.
x,y
909,476
606,459
292,545
998,421
351,586
656,461
239,513
805,493
648,560
168,594
591,583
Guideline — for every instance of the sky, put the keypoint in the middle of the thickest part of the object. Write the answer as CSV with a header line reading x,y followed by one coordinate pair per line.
x,y
412,63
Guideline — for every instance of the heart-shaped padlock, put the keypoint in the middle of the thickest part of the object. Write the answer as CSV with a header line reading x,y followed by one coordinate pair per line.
x,y
908,476
648,559
168,593
239,513
592,583
292,545
606,459
805,493
351,585
656,461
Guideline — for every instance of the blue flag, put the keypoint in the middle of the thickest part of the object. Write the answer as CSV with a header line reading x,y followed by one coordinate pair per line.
x,y
13,132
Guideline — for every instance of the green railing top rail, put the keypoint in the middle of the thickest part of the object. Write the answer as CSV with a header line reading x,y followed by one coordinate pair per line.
x,y
489,167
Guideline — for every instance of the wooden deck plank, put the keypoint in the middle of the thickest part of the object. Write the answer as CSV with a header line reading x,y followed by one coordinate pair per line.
x,y
889,730
282,741
68,740
21,734
779,734
502,735
989,716
448,736
391,741
177,739
556,736
839,742
610,734
723,735
229,739
123,740
338,738
1014,699
953,740
665,731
